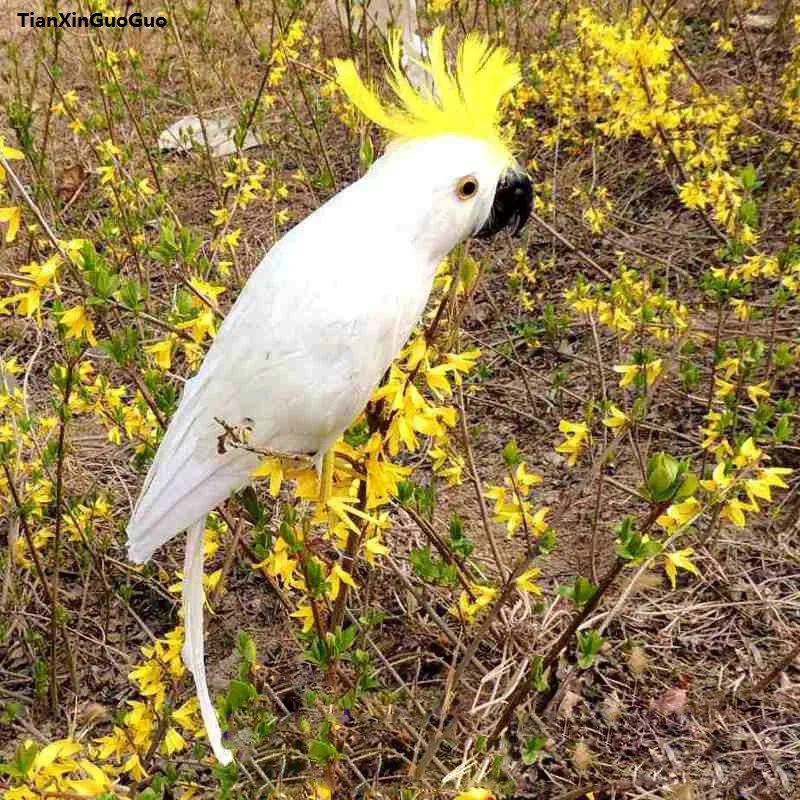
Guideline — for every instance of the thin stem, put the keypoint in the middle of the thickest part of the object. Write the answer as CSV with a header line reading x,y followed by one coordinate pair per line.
x,y
56,579
476,482
37,561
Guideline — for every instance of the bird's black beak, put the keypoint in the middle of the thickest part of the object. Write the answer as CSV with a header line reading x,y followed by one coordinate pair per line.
x,y
513,202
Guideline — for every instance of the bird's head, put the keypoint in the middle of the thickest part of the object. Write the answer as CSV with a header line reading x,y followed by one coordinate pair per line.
x,y
449,165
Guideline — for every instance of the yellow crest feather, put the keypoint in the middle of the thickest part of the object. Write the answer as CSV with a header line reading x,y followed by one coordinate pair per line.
x,y
466,103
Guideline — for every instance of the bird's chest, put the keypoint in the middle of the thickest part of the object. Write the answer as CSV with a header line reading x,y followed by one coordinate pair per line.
x,y
367,339
395,313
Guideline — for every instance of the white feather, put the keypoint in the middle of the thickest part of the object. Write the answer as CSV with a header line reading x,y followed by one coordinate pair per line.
x,y
193,650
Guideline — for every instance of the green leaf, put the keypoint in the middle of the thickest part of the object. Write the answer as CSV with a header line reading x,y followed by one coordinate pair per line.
x,y
663,474
460,543
239,695
252,505
345,639
534,749
537,675
247,648
749,178
227,776
367,154
511,454
322,752
589,645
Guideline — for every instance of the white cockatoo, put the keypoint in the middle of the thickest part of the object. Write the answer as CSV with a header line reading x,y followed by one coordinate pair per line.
x,y
332,303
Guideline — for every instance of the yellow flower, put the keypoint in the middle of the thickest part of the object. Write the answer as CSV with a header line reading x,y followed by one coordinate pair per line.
x,y
78,323
186,715
616,417
748,453
13,216
595,217
525,582
134,766
209,291
95,784
470,608
107,173
476,793
731,366
162,353
629,372
680,559
734,511
693,195
273,469
761,486
439,6
21,792
114,744
221,216
58,750
319,791
10,153
725,44
201,326
437,379
374,546
42,274
719,480
463,362
539,520
524,479
757,392
577,436
680,514
337,577
279,564
173,742
306,615
107,150
149,678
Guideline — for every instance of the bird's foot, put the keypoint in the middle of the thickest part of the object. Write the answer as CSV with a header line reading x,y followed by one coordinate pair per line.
x,y
306,459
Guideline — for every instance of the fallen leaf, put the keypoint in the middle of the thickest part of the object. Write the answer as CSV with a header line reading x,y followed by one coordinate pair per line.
x,y
568,703
672,702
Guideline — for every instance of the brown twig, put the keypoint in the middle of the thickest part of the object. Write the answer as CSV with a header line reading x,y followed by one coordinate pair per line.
x,y
56,580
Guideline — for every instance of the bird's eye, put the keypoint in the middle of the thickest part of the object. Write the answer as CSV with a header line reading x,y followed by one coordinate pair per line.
x,y
467,187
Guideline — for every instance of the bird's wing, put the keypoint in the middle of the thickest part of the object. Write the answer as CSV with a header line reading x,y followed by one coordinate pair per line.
x,y
289,366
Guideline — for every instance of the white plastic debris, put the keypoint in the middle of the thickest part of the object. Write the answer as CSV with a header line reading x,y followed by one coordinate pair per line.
x,y
187,133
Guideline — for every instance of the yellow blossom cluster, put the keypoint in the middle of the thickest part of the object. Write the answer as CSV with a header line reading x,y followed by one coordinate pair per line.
x,y
631,304
94,767
623,79
512,509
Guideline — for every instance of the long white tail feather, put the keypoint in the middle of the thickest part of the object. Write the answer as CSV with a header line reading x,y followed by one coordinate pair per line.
x,y
193,650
